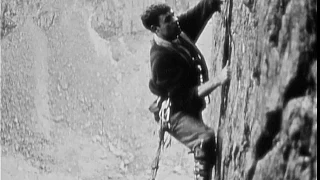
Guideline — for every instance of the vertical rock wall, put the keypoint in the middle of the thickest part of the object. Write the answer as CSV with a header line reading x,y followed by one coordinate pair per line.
x,y
266,117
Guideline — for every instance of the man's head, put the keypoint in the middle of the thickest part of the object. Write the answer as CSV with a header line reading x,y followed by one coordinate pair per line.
x,y
160,19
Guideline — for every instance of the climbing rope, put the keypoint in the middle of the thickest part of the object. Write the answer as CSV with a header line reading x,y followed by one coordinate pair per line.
x,y
227,49
164,115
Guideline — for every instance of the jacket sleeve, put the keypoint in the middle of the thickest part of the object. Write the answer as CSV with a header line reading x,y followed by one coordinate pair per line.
x,y
194,20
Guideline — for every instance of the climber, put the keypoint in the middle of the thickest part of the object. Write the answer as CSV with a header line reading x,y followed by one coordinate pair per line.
x,y
179,74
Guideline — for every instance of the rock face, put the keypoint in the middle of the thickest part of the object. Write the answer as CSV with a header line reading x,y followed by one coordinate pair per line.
x,y
266,117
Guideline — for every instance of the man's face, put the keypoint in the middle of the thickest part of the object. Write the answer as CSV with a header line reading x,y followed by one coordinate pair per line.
x,y
168,27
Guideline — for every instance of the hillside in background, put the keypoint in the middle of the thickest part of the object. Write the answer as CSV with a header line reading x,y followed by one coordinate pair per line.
x,y
75,97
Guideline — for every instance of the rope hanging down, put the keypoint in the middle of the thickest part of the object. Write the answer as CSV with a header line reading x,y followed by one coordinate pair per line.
x,y
164,115
227,49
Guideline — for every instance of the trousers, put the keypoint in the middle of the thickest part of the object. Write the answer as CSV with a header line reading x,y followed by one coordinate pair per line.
x,y
190,130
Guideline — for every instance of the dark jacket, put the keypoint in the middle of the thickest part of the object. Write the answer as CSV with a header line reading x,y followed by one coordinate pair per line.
x,y
174,72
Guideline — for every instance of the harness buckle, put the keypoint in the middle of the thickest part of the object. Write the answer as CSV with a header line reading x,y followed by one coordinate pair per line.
x,y
164,114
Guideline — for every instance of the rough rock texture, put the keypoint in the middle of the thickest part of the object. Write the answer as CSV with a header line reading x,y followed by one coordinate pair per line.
x,y
266,116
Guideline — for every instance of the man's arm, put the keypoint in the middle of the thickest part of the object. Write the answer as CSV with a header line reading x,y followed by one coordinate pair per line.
x,y
206,88
194,20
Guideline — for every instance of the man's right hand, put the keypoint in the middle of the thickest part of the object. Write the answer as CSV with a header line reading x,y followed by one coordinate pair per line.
x,y
225,74
206,88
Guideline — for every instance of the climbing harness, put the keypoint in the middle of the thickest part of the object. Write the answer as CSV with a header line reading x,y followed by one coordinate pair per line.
x,y
165,113
164,125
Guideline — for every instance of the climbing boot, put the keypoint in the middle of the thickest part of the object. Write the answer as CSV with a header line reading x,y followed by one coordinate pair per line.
x,y
202,170
203,162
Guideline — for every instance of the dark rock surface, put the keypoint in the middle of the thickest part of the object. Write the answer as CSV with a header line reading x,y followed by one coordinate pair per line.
x,y
267,115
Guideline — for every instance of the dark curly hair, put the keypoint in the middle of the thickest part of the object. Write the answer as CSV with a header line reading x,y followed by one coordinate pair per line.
x,y
151,15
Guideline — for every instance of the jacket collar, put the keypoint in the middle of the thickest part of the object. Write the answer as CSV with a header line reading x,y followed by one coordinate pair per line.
x,y
161,42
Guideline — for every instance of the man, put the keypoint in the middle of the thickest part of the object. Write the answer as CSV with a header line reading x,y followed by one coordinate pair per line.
x,y
179,73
